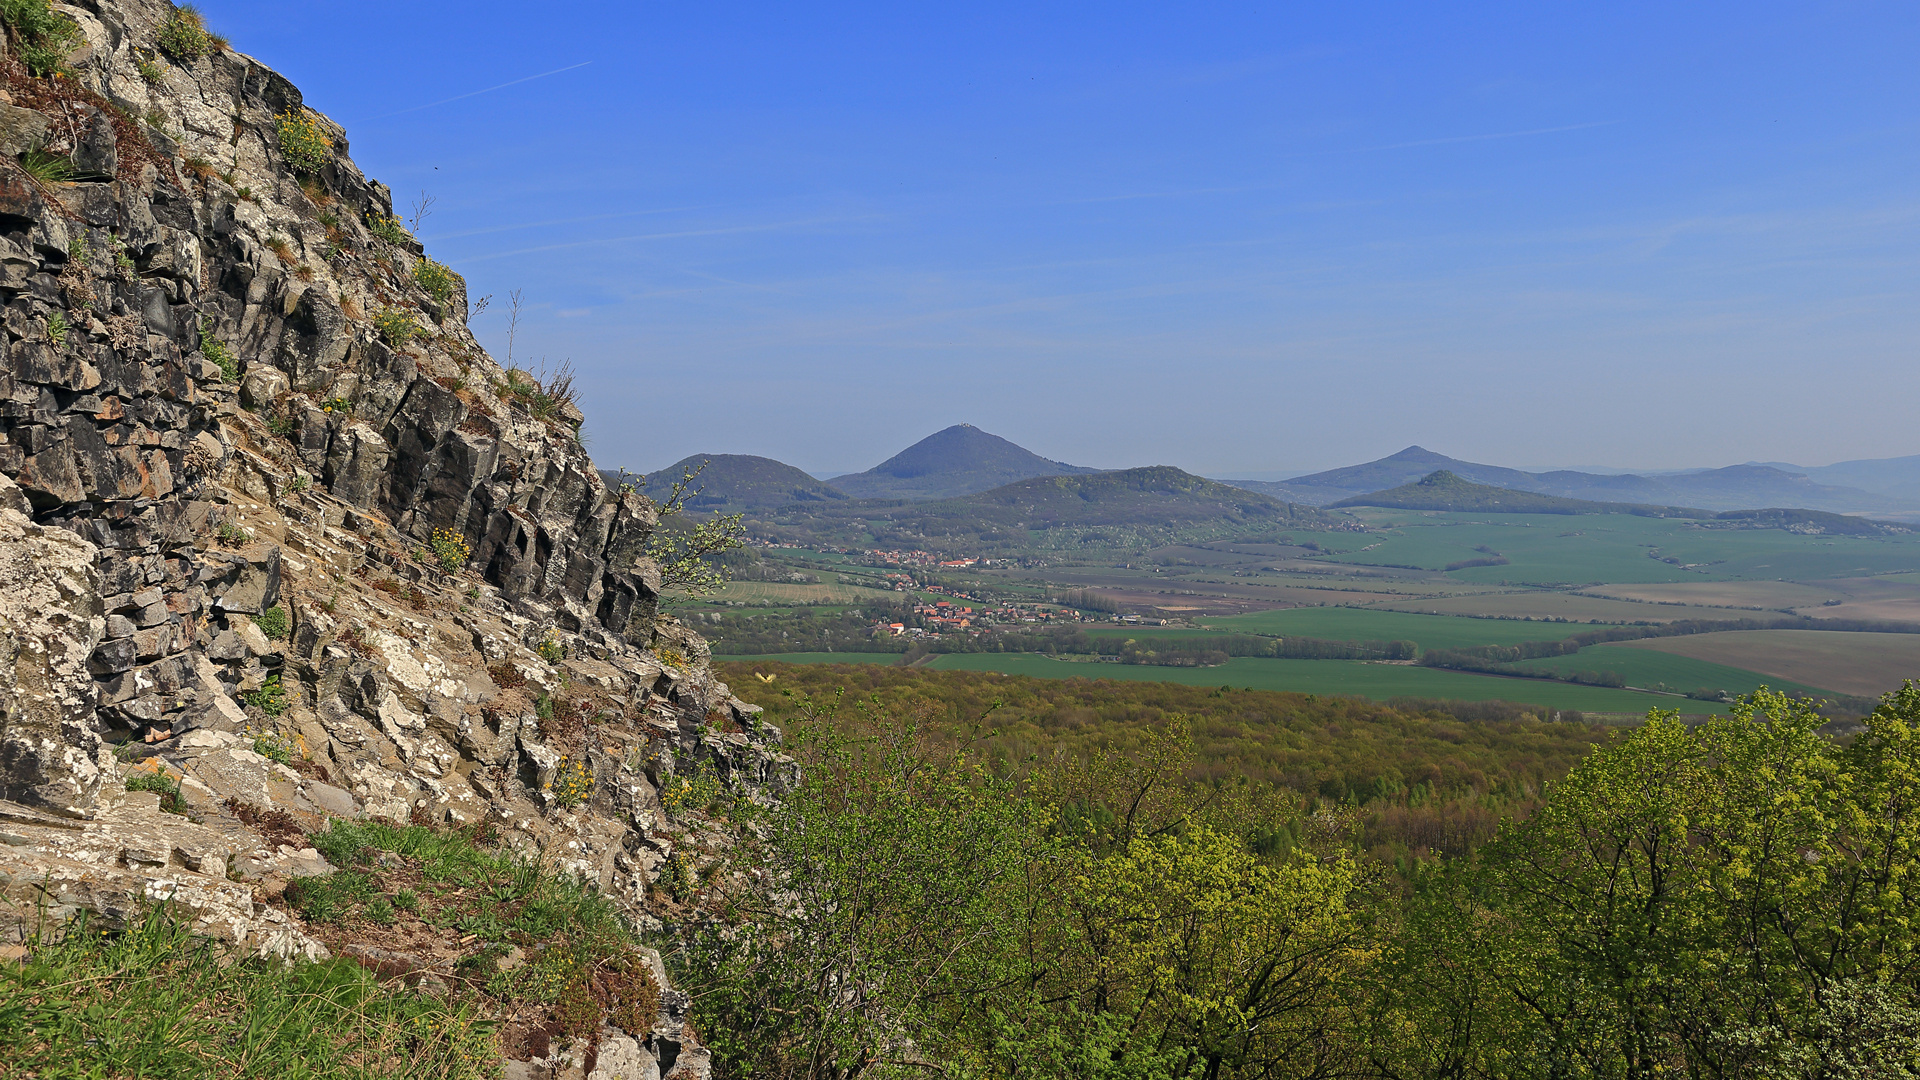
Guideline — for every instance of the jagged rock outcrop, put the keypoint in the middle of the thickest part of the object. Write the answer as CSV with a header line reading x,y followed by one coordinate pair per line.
x,y
241,421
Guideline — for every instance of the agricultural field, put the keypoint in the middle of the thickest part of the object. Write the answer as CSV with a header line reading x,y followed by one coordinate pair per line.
x,y
1370,624
1557,604
1654,669
1751,595
1865,664
1615,548
1357,678
779,593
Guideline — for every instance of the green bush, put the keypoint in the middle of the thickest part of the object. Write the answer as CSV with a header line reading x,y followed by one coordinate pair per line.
x,y
42,36
168,788
271,699
184,36
435,277
57,329
304,142
387,228
216,351
48,168
395,326
274,622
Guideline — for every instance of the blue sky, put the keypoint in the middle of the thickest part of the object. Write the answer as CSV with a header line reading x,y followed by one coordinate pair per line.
x,y
1243,239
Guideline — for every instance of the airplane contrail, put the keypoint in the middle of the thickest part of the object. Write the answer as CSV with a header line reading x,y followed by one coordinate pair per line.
x,y
476,93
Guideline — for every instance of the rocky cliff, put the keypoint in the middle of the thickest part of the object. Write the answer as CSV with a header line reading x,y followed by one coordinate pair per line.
x,y
275,530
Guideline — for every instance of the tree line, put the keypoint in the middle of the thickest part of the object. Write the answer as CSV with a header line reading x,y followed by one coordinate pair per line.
x,y
1735,899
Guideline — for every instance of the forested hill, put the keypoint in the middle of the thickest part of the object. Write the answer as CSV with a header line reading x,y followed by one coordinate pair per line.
x,y
1123,509
960,460
1444,490
729,482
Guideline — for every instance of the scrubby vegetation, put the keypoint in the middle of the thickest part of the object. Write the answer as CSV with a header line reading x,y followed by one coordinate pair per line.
x,y
1734,899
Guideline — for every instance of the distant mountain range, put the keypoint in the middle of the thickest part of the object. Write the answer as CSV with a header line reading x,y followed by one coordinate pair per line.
x,y
1442,490
963,461
1736,487
960,460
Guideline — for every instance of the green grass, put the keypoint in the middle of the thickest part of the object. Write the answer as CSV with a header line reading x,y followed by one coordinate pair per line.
x,y
1553,548
155,1001
1357,678
1654,670
1354,624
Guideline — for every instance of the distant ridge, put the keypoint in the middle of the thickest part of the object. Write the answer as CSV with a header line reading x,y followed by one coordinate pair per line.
x,y
1736,487
1442,490
740,482
960,460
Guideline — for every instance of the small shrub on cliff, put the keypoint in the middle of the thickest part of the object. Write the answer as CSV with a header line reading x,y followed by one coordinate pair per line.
x,y
57,329
550,649
184,36
304,142
387,228
168,788
275,746
437,278
669,656
42,36
450,549
571,783
396,327
274,622
216,351
271,699
151,69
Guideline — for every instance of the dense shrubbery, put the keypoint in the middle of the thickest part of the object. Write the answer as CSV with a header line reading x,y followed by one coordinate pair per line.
x,y
1734,899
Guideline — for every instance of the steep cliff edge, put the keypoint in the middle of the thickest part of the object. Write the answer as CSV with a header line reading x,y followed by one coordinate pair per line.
x,y
277,531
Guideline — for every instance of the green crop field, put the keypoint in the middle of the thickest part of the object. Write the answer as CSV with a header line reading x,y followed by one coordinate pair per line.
x,y
1615,548
1354,677
1653,670
1361,624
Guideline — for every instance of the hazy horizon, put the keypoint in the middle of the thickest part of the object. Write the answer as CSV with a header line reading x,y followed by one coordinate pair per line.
x,y
1243,241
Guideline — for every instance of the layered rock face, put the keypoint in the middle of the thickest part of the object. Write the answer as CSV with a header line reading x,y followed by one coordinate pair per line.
x,y
240,422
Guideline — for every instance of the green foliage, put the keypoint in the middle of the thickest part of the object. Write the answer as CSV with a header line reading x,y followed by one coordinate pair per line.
x,y
303,141
545,396
229,533
396,326
276,746
57,329
271,699
1100,919
154,1000
274,622
184,35
387,228
42,36
572,781
46,167
449,549
437,278
160,782
688,554
217,351
151,69
550,649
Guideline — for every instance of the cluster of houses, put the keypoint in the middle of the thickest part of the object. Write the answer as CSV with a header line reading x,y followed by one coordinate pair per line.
x,y
947,616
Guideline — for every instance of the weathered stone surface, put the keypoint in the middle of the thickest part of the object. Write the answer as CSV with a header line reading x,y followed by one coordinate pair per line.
x,y
50,622
21,129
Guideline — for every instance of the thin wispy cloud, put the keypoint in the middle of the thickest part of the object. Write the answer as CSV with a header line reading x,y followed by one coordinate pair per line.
x,y
475,93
